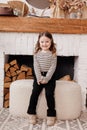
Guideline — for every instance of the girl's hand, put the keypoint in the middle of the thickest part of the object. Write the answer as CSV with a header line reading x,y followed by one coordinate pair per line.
x,y
39,82
43,82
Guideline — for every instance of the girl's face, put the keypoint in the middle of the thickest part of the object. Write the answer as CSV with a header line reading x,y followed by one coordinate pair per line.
x,y
45,43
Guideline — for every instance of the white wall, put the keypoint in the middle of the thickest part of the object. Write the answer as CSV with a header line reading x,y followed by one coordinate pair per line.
x,y
3,1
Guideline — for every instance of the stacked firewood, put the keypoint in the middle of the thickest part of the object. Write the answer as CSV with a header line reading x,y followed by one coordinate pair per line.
x,y
14,72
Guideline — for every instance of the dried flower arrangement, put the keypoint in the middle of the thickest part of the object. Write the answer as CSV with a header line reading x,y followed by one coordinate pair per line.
x,y
69,6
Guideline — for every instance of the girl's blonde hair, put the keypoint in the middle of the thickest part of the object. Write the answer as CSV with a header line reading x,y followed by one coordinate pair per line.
x,y
49,35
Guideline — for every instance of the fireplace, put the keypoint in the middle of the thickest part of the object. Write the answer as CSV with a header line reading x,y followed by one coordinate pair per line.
x,y
21,67
68,45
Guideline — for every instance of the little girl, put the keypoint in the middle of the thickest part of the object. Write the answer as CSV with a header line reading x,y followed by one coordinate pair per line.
x,y
45,61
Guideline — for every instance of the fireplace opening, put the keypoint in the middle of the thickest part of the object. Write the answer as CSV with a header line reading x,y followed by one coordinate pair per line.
x,y
65,64
21,67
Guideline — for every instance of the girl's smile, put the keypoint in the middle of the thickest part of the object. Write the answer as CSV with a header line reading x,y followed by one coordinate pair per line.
x,y
45,43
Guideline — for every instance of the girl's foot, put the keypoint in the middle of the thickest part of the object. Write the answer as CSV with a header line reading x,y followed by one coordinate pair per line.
x,y
32,119
51,121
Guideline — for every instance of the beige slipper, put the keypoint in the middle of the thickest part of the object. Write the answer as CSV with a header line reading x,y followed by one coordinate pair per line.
x,y
51,121
32,119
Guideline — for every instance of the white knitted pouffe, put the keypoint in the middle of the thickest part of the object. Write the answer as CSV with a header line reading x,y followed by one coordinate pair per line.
x,y
68,99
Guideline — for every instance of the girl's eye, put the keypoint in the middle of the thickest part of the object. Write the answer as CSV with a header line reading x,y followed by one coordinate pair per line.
x,y
47,41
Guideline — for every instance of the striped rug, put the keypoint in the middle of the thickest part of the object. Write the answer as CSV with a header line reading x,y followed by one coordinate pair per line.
x,y
9,122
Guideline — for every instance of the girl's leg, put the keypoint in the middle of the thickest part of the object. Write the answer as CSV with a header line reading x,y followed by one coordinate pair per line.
x,y
51,112
34,98
49,92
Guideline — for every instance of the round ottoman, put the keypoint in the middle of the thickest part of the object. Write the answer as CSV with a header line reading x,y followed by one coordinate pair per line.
x,y
68,99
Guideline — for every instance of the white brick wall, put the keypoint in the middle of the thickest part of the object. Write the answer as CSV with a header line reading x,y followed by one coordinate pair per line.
x,y
23,43
67,45
1,77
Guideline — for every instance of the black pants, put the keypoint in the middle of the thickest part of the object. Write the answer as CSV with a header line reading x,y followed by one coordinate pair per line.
x,y
49,93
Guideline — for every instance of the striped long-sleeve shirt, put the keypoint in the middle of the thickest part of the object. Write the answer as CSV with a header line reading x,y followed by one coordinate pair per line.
x,y
44,62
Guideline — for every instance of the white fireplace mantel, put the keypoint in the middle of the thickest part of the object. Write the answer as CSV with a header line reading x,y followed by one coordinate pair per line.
x,y
22,43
